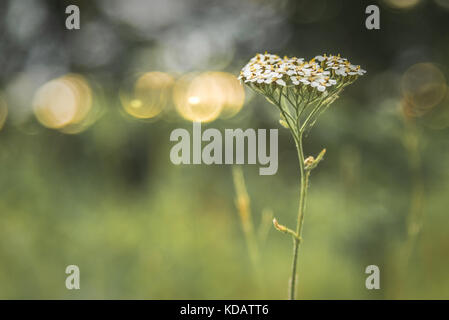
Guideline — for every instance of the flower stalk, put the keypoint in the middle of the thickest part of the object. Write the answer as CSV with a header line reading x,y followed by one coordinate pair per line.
x,y
301,90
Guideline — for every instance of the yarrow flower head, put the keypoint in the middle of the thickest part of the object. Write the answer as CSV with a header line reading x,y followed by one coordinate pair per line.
x,y
268,68
297,85
320,72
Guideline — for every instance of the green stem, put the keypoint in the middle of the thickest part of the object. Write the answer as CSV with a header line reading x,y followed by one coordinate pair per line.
x,y
300,219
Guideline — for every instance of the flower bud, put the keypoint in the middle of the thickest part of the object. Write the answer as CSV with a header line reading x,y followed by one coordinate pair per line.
x,y
279,226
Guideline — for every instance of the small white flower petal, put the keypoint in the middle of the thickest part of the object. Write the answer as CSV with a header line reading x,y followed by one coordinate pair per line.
x,y
281,82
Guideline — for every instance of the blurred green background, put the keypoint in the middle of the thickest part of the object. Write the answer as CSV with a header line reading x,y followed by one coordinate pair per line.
x,y
86,179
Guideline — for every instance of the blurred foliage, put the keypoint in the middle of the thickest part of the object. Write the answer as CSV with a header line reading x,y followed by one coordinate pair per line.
x,y
103,194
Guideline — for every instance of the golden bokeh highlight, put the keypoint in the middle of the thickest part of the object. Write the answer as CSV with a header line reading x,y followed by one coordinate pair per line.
x,y
3,112
149,96
63,102
233,91
402,4
423,87
198,97
206,96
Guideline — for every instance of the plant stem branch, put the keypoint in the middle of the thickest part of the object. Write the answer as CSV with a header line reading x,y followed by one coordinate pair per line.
x,y
300,218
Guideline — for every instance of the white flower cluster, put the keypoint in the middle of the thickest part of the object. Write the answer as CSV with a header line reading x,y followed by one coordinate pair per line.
x,y
319,73
341,66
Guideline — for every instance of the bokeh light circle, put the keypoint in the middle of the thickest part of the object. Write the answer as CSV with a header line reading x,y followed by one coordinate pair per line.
x,y
423,86
149,95
198,97
234,93
63,101
206,96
